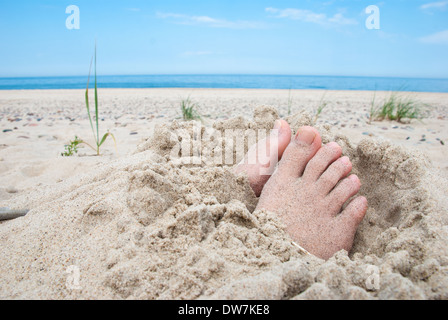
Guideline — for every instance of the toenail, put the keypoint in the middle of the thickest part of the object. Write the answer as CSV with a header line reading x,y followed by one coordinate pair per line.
x,y
306,136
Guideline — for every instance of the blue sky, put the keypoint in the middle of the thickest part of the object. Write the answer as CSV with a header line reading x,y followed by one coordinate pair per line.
x,y
237,37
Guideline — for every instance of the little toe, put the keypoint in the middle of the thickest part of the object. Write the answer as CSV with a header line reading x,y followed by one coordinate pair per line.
x,y
335,173
321,161
346,189
299,152
354,213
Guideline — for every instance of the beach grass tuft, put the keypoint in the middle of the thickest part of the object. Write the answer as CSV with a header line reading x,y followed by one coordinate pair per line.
x,y
189,110
320,108
397,108
290,102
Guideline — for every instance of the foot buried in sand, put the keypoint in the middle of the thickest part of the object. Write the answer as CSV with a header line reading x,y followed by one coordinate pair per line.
x,y
309,189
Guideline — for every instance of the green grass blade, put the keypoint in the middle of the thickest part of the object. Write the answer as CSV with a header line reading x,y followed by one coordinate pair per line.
x,y
96,105
105,137
87,100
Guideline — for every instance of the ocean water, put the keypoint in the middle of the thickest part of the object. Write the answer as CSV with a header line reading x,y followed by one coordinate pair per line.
x,y
231,81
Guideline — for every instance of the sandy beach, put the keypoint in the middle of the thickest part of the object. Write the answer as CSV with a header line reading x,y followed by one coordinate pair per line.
x,y
137,225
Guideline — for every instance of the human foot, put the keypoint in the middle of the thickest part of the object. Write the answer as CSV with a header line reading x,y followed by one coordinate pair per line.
x,y
308,192
259,163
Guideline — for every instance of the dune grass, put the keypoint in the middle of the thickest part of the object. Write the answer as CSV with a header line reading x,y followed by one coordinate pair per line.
x,y
373,109
96,136
189,110
290,102
320,108
397,108
72,147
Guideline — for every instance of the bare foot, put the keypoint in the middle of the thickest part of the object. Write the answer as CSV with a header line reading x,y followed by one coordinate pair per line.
x,y
308,191
259,163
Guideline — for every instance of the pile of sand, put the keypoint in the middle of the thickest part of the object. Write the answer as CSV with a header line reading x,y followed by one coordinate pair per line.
x,y
152,227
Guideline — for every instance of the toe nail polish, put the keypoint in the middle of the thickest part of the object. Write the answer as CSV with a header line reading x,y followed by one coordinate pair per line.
x,y
306,136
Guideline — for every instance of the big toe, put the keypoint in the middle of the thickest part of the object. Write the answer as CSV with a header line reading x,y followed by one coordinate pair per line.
x,y
269,151
299,152
283,136
262,158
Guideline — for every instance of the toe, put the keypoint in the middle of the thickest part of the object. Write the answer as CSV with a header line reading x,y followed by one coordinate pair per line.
x,y
346,189
335,173
321,161
283,135
269,151
261,159
354,213
299,152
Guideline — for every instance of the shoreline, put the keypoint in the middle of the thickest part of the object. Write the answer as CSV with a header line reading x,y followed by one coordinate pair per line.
x,y
233,81
225,89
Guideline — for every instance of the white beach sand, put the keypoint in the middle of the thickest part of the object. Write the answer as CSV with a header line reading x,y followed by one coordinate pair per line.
x,y
139,225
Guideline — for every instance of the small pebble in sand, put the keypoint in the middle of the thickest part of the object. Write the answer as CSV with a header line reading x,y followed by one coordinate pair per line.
x,y
11,189
133,133
395,127
442,143
7,130
408,138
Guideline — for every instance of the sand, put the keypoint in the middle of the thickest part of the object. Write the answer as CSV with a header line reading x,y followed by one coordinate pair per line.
x,y
140,224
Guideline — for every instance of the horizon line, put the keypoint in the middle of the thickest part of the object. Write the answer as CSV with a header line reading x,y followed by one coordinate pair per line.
x,y
227,74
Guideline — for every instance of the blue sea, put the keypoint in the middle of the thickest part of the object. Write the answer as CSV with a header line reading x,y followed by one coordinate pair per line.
x,y
231,81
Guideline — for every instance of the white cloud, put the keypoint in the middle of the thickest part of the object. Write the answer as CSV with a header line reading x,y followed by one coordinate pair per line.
x,y
310,16
210,22
340,19
434,5
436,38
